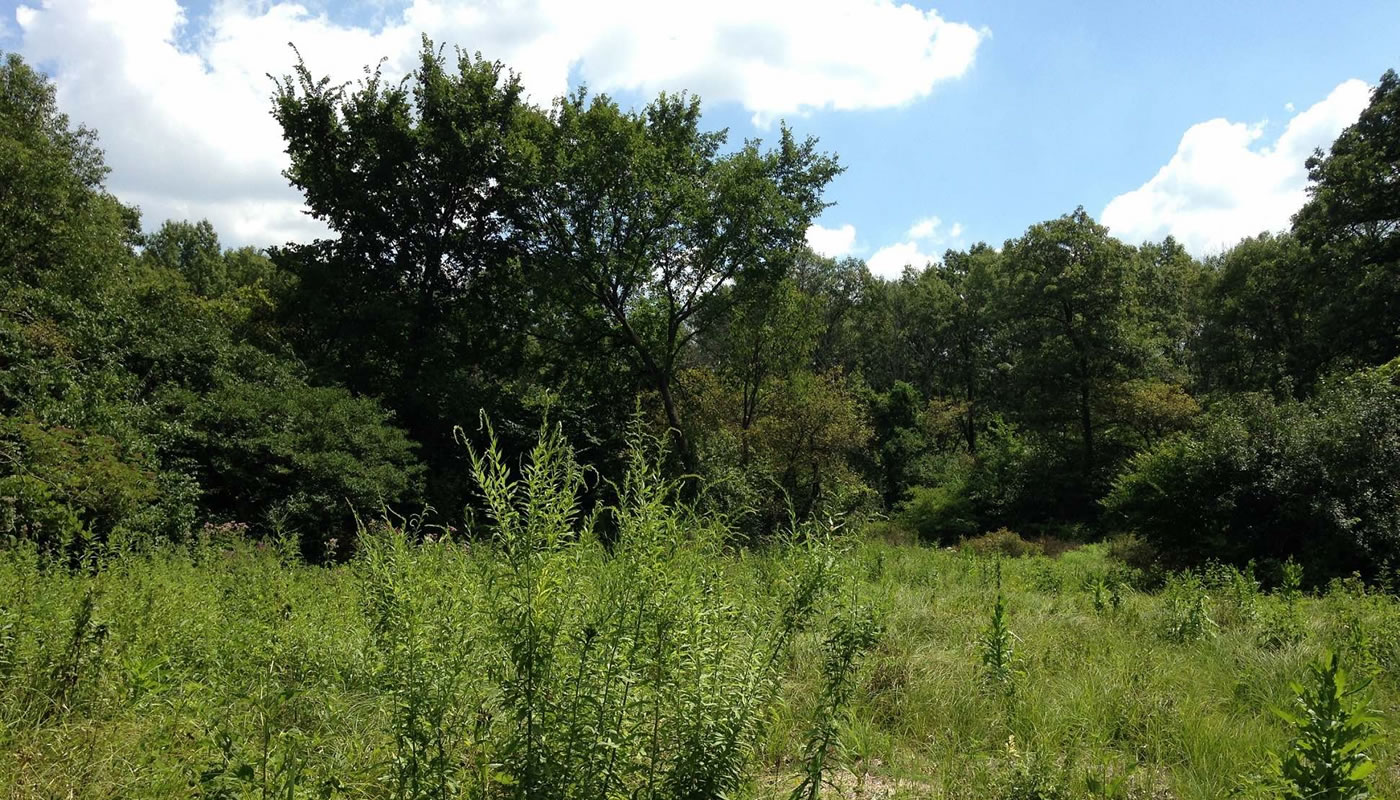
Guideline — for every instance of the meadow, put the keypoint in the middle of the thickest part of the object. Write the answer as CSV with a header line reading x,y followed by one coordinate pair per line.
x,y
559,657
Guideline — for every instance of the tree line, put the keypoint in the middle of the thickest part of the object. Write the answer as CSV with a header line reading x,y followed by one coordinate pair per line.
x,y
591,264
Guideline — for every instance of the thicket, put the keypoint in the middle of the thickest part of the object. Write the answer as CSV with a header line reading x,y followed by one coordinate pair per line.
x,y
1277,479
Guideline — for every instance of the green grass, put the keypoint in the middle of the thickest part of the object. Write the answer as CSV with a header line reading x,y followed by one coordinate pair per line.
x,y
226,669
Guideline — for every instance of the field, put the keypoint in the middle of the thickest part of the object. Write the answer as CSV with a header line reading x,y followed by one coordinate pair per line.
x,y
549,668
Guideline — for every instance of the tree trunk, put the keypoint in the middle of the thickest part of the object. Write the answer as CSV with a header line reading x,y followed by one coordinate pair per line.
x,y
663,387
1086,421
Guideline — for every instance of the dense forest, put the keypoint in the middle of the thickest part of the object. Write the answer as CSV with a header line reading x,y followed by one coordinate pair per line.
x,y
591,265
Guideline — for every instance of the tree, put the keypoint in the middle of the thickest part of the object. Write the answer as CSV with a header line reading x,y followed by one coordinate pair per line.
x,y
973,334
766,335
649,229
837,288
58,226
1254,325
816,428
1351,224
193,251
426,187
1069,302
1168,299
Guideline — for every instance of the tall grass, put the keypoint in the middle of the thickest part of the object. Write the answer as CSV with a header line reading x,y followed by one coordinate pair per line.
x,y
534,656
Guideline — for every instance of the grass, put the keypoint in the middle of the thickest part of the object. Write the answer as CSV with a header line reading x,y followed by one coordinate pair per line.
x,y
1135,702
231,670
540,661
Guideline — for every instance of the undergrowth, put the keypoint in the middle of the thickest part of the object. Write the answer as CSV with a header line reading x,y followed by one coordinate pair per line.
x,y
533,655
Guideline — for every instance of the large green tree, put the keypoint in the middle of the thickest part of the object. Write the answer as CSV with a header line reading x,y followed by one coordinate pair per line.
x,y
1254,332
425,185
1351,224
143,393
647,226
59,227
1069,302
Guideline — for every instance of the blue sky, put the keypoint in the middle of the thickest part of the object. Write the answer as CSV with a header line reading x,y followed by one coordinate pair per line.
x,y
986,116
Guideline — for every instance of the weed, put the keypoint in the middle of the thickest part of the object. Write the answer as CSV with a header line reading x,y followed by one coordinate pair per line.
x,y
1283,624
1333,727
997,644
82,657
853,634
1098,587
1187,609
1030,776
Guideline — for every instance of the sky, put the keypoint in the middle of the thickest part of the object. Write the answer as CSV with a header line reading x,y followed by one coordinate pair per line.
x,y
962,122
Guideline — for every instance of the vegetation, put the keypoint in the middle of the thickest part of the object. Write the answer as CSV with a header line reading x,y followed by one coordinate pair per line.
x,y
1059,518
432,667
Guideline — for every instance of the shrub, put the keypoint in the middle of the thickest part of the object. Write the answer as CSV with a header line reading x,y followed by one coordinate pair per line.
x,y
1134,551
1266,480
975,494
1003,542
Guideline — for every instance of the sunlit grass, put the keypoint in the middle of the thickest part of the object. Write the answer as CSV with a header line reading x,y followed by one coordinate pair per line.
x,y
230,669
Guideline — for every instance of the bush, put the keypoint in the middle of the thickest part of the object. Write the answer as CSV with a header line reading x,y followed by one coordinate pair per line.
x,y
1268,480
1003,541
938,513
1133,550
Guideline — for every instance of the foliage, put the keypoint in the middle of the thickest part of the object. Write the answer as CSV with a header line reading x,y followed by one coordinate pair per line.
x,y
1253,333
854,632
1030,776
223,668
579,259
976,493
1264,479
650,230
145,394
1186,611
1351,225
1003,542
997,646
1333,728
1283,621
1071,308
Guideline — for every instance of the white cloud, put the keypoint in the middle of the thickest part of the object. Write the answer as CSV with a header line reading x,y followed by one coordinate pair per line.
x,y
889,262
926,234
1224,184
832,242
182,105
925,228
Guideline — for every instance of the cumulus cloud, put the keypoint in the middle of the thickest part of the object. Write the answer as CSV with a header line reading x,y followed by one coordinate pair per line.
x,y
889,261
1225,182
832,242
925,234
925,228
182,104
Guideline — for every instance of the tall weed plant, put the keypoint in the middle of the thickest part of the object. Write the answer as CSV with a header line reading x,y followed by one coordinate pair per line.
x,y
638,667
